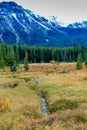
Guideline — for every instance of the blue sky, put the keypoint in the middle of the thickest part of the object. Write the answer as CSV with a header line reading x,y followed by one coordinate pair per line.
x,y
67,11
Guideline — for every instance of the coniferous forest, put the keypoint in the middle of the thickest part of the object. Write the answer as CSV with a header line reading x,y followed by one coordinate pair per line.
x,y
15,54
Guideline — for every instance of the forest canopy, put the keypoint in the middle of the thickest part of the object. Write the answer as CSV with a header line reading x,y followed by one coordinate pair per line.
x,y
40,54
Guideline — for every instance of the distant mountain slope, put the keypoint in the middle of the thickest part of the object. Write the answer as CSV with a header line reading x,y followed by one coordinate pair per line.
x,y
18,25
82,24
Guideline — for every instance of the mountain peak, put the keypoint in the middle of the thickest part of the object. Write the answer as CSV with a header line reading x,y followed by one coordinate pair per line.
x,y
9,6
82,24
11,3
18,25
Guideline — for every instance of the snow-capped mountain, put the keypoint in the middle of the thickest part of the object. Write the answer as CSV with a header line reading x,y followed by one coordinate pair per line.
x,y
82,24
21,26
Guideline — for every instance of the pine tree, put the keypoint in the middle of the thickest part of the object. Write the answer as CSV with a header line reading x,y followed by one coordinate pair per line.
x,y
11,61
86,60
14,68
26,65
16,50
2,64
79,62
3,51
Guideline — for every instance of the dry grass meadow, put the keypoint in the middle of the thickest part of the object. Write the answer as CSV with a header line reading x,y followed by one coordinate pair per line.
x,y
63,87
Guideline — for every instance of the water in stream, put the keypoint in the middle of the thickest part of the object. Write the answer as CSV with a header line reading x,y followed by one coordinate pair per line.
x,y
43,102
45,107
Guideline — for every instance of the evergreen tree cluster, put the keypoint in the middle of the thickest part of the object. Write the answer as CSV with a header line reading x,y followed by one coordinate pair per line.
x,y
12,55
79,62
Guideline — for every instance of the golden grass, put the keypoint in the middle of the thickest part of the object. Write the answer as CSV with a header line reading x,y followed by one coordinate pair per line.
x,y
65,91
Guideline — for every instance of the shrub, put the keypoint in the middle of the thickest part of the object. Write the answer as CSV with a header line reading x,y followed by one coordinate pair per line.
x,y
52,62
13,68
4,105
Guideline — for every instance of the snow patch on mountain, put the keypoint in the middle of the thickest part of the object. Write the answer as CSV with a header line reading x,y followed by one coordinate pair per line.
x,y
14,15
82,24
18,25
1,38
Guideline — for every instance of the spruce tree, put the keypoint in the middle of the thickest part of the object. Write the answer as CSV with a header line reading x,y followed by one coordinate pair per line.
x,y
11,61
26,65
79,62
3,51
16,50
2,64
14,68
85,62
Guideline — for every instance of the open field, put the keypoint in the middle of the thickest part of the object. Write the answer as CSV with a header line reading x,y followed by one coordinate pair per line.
x,y
62,86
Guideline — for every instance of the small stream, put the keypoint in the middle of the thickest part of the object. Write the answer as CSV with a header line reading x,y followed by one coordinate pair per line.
x,y
45,107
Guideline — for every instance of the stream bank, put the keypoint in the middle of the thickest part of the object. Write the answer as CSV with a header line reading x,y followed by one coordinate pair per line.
x,y
45,107
40,92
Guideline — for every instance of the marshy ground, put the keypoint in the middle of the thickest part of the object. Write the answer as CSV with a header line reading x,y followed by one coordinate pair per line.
x,y
62,86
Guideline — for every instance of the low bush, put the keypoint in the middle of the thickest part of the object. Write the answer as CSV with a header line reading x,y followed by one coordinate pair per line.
x,y
13,68
4,105
52,62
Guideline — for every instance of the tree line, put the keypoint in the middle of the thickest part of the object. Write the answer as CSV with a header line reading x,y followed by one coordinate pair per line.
x,y
12,55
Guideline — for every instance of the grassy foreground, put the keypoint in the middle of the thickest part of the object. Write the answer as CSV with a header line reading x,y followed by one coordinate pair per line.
x,y
63,87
